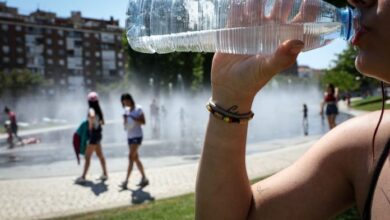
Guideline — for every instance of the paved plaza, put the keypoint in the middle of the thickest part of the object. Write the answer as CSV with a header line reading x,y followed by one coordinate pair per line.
x,y
48,197
59,196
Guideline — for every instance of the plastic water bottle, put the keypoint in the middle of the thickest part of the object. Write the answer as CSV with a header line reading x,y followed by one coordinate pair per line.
x,y
234,26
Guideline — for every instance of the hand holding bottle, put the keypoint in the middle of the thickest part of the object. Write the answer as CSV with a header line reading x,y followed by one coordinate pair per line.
x,y
236,79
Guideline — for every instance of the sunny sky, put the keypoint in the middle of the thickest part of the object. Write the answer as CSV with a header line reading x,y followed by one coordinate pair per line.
x,y
319,58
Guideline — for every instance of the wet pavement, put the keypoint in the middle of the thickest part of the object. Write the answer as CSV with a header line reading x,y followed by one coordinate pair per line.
x,y
54,156
51,197
37,181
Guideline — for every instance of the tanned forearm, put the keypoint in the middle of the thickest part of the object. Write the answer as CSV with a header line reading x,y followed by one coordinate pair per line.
x,y
223,190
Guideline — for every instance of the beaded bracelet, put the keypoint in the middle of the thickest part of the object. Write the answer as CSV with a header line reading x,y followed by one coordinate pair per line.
x,y
227,115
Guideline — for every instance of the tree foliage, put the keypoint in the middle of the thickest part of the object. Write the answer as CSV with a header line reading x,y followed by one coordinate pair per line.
x,y
345,76
165,69
19,80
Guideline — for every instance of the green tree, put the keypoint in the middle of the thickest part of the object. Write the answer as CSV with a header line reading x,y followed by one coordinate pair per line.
x,y
345,76
165,68
20,81
198,72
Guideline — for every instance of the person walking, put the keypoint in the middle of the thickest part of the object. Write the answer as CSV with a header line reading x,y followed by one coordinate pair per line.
x,y
133,119
12,126
95,123
330,100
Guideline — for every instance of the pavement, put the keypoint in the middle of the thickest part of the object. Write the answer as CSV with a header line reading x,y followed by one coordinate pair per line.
x,y
45,198
59,196
343,107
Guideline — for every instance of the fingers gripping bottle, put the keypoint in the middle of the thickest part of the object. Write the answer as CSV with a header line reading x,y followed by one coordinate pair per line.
x,y
234,26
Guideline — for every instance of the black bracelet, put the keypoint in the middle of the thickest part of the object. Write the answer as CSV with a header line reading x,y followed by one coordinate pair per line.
x,y
227,115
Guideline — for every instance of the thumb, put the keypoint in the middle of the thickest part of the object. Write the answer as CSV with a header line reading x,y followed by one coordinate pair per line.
x,y
284,57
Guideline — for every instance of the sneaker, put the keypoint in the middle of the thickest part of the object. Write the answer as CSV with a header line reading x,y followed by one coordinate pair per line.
x,y
103,177
144,182
80,180
123,185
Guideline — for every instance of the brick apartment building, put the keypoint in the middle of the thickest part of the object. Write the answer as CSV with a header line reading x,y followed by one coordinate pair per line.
x,y
69,52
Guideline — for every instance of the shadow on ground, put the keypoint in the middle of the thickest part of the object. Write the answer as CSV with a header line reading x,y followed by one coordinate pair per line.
x,y
139,196
96,188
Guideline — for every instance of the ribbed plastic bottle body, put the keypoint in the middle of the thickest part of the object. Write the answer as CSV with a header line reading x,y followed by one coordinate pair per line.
x,y
229,26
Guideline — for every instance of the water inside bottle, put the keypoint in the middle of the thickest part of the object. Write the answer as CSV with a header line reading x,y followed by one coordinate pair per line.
x,y
263,39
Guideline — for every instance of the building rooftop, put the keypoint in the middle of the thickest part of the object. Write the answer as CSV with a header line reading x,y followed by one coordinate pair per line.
x,y
75,20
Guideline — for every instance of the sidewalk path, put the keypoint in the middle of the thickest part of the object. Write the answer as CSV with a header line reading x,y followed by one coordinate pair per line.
x,y
343,107
53,197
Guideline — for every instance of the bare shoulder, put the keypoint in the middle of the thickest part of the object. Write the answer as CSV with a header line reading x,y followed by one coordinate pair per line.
x,y
354,140
332,175
358,132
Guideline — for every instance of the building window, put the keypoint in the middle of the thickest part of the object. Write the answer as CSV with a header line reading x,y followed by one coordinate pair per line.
x,y
120,55
49,61
87,54
19,40
4,27
86,34
120,64
49,31
6,59
50,52
60,42
61,62
61,32
19,50
18,28
20,60
97,54
6,49
97,36
36,30
87,62
49,41
87,44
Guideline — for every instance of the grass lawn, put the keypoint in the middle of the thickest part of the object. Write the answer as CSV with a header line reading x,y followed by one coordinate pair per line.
x,y
371,103
177,208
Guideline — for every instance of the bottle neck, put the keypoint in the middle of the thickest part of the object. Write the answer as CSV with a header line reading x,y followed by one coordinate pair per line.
x,y
350,19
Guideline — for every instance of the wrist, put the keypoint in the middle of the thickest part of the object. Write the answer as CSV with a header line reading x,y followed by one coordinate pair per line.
x,y
226,100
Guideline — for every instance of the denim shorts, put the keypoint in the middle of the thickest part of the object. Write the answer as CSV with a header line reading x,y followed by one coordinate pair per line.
x,y
331,109
137,140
